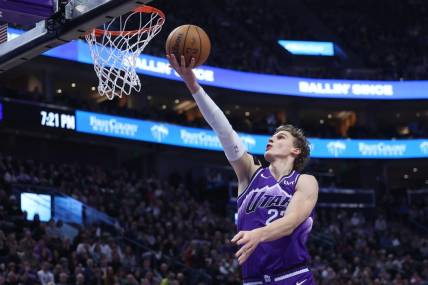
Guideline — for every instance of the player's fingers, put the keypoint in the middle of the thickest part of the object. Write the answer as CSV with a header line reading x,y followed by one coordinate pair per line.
x,y
242,240
173,61
250,249
169,57
245,254
237,237
241,251
183,61
242,259
246,249
169,60
192,63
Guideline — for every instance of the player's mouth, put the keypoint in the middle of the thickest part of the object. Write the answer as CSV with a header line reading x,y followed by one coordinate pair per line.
x,y
268,147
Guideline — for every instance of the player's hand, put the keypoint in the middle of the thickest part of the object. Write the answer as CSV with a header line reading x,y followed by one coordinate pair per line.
x,y
248,241
186,73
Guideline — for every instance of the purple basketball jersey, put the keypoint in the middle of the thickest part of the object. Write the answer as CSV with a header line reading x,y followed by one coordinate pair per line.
x,y
262,202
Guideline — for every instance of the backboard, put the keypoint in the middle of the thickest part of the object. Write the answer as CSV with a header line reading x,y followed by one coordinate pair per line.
x,y
50,23
28,12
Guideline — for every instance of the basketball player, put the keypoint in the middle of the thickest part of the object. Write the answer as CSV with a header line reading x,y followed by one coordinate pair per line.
x,y
275,204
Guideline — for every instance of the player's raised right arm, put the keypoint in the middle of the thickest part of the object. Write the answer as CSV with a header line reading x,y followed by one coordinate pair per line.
x,y
235,151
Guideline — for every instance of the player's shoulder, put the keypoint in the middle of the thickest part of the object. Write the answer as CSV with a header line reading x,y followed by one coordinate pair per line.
x,y
306,179
307,176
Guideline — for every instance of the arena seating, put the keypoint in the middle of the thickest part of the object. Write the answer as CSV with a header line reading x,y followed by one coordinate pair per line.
x,y
178,238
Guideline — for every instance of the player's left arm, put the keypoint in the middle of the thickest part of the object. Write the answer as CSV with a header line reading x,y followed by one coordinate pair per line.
x,y
300,207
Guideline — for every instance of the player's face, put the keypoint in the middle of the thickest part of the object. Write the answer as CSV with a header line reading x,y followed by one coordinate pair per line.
x,y
280,145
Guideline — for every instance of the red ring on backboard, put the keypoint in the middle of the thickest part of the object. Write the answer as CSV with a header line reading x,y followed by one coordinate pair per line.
x,y
140,9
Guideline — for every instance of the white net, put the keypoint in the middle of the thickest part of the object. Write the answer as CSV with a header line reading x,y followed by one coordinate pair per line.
x,y
115,53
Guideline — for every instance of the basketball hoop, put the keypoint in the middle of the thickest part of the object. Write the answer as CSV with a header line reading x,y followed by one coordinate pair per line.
x,y
116,48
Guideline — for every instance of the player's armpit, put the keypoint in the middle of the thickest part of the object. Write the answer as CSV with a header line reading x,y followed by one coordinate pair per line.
x,y
300,207
244,168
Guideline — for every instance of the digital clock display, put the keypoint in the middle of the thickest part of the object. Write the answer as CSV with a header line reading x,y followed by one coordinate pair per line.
x,y
57,120
24,115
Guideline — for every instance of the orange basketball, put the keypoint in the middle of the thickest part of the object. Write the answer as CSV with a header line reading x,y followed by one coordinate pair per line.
x,y
190,41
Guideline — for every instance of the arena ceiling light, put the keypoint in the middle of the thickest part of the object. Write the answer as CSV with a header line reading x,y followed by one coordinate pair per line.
x,y
308,47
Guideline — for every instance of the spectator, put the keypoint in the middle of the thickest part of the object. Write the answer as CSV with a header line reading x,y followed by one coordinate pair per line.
x,y
46,277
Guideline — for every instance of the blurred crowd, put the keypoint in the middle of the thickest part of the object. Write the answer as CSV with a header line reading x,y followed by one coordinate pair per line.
x,y
387,35
378,249
381,41
171,233
169,236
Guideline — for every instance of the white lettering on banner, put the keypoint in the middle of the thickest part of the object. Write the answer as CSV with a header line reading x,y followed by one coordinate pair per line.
x,y
202,74
162,67
336,148
199,139
153,65
323,88
345,88
381,149
424,147
112,126
373,89
159,132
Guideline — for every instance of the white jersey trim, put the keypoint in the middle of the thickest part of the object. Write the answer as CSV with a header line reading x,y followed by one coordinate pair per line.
x,y
287,176
281,277
289,275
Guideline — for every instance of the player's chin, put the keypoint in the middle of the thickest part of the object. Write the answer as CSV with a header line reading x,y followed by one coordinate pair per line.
x,y
268,156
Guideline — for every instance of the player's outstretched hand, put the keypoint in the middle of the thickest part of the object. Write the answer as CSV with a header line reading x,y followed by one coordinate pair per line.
x,y
185,72
248,241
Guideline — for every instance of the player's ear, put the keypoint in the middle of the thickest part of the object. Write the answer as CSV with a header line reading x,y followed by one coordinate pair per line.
x,y
296,151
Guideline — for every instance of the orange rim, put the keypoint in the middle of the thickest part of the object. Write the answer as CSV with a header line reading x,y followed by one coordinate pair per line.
x,y
140,9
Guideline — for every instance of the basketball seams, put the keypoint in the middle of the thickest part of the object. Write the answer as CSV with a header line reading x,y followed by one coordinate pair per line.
x,y
184,44
172,40
200,45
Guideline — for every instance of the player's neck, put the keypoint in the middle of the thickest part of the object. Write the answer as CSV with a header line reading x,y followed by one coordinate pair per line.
x,y
280,168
